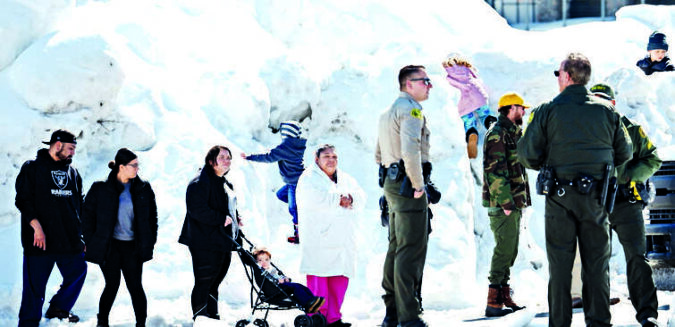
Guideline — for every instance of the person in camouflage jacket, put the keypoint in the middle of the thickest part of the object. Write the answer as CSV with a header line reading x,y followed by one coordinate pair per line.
x,y
505,193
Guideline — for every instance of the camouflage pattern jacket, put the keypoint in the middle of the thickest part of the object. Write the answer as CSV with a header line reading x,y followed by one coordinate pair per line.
x,y
504,178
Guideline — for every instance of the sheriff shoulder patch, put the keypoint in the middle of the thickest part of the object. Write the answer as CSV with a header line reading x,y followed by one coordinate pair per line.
x,y
416,113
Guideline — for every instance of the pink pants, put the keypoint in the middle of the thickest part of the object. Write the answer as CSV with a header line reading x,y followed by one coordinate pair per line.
x,y
333,289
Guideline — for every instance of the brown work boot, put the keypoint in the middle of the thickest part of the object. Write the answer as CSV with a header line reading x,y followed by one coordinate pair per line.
x,y
472,145
495,303
508,301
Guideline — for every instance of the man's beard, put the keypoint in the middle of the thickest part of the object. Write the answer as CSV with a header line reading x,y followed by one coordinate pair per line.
x,y
62,156
519,122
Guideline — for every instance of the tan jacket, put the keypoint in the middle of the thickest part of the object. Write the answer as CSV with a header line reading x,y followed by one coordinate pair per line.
x,y
403,134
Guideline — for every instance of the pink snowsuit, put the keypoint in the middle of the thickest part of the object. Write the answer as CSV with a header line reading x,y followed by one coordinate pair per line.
x,y
473,94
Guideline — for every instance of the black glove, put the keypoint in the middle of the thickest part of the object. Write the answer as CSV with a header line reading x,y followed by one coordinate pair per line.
x,y
426,171
433,194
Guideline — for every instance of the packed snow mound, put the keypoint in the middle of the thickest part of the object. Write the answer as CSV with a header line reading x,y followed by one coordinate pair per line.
x,y
64,73
21,22
235,99
293,93
657,18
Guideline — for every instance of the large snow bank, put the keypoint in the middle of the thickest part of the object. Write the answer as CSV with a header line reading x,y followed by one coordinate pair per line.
x,y
62,73
190,74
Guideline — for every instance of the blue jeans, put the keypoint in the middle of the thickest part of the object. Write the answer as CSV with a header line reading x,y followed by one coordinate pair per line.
x,y
287,194
36,271
471,119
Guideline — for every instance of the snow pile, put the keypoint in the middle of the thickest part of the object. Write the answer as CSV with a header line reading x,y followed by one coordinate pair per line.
x,y
171,79
82,73
21,22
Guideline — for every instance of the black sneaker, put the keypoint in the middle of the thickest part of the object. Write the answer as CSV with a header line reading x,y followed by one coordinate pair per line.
x,y
61,314
316,304
294,239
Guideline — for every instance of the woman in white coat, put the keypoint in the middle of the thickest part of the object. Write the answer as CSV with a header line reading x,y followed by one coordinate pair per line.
x,y
328,202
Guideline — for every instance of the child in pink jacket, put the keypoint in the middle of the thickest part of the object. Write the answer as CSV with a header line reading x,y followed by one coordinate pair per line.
x,y
473,103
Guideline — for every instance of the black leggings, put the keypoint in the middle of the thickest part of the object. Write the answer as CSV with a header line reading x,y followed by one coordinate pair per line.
x,y
123,258
210,268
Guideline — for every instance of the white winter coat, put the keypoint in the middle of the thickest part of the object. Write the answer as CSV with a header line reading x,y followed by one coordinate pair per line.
x,y
326,230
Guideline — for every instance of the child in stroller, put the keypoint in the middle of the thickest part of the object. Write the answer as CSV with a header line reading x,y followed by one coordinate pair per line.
x,y
272,290
269,274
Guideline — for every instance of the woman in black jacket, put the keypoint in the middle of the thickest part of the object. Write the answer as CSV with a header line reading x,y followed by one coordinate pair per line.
x,y
119,225
210,221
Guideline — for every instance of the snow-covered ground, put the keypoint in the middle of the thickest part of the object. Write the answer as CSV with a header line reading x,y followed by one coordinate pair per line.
x,y
171,78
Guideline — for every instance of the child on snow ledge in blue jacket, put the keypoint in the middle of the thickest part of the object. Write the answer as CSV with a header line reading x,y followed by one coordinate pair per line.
x,y
289,155
657,58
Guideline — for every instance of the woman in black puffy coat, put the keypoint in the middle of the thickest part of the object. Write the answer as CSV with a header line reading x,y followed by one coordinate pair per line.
x,y
211,220
119,224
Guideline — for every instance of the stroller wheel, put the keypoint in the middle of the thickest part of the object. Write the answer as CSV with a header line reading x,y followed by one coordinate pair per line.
x,y
303,321
318,320
242,323
261,323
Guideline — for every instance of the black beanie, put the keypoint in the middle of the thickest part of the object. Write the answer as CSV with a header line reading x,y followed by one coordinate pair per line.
x,y
123,157
657,41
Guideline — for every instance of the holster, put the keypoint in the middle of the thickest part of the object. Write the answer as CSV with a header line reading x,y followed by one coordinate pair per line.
x,y
545,180
406,189
643,190
396,171
381,174
384,211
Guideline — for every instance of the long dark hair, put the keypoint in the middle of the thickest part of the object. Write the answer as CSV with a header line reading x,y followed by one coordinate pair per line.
x,y
212,155
123,157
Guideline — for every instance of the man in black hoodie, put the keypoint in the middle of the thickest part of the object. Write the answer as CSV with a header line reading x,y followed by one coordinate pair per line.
x,y
49,196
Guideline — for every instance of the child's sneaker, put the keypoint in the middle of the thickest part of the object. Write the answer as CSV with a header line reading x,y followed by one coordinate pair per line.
x,y
316,304
294,239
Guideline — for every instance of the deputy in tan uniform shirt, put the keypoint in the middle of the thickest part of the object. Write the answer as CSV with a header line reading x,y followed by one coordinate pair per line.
x,y
403,135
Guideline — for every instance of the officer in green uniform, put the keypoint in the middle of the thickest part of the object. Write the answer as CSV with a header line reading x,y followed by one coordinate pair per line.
x,y
505,193
626,219
578,136
402,147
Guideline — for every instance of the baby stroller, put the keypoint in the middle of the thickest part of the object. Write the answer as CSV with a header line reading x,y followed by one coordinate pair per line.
x,y
273,298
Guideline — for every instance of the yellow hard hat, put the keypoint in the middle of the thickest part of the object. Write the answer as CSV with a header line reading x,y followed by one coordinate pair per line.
x,y
512,98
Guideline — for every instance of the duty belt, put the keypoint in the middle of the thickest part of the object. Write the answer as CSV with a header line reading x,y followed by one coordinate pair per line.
x,y
581,184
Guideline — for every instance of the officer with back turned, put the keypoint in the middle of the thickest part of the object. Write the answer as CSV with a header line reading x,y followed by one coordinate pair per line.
x,y
402,148
576,140
626,219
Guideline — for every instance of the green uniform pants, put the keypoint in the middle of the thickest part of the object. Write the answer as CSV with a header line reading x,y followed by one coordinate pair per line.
x,y
573,217
626,220
406,254
506,230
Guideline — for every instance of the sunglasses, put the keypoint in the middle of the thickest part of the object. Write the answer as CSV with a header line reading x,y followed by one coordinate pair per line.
x,y
133,165
556,73
425,80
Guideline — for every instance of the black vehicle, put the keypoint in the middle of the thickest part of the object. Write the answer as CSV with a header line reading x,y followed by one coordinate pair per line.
x,y
660,226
